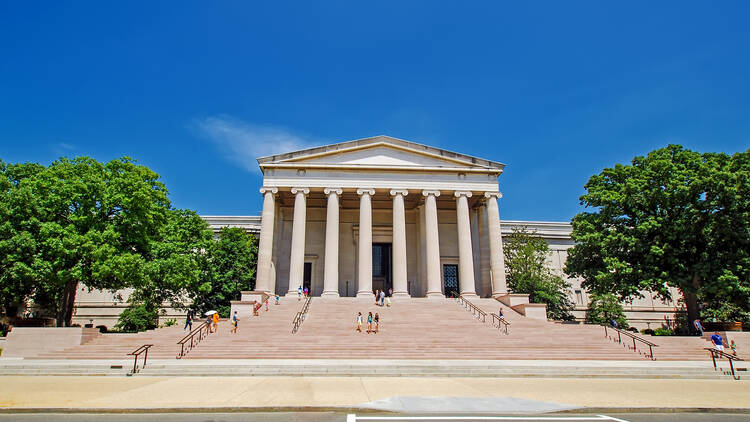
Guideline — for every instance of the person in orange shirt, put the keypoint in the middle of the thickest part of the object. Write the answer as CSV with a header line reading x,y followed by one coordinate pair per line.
x,y
215,318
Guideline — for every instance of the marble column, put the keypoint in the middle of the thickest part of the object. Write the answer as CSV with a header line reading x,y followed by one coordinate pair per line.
x,y
331,275
365,243
265,243
400,287
434,289
465,252
297,256
497,258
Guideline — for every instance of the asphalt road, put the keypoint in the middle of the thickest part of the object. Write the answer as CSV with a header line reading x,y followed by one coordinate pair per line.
x,y
342,417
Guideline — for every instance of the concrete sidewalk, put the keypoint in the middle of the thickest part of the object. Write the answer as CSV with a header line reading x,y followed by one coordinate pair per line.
x,y
316,393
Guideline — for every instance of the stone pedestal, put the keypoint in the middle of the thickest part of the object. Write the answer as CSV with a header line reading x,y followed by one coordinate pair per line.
x,y
513,299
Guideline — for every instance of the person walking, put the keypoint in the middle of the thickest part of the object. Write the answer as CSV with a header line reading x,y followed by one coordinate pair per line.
x,y
377,322
299,293
500,313
382,298
215,318
390,292
359,321
733,347
235,322
717,341
388,301
266,304
369,323
698,327
209,321
188,321
377,297
306,292
277,298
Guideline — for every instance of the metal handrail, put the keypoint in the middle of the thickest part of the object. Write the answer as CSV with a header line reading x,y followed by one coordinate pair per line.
x,y
501,323
202,332
137,352
299,317
635,338
475,311
718,353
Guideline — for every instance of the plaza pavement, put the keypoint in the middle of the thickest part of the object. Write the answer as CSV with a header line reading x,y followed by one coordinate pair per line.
x,y
76,393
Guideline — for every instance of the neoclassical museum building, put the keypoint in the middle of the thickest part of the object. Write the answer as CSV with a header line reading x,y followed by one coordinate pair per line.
x,y
382,213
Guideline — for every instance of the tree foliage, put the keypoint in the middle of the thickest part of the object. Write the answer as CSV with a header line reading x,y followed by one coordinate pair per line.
x,y
230,270
605,308
675,218
525,262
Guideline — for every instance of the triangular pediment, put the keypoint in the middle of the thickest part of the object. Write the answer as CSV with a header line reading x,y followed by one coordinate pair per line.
x,y
379,151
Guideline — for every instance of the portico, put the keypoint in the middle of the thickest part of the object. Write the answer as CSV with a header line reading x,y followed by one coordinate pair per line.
x,y
377,214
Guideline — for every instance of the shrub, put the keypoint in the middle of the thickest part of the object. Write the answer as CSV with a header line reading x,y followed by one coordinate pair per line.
x,y
139,317
647,331
663,332
605,308
170,322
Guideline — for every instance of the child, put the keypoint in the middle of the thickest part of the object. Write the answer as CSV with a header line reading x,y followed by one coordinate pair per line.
x,y
733,347
377,322
277,298
388,301
299,293
359,321
235,322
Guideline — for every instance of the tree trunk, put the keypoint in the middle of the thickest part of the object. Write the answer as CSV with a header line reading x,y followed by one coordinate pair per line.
x,y
65,314
691,301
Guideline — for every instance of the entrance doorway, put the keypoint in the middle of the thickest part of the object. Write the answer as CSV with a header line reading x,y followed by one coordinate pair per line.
x,y
307,278
450,280
382,276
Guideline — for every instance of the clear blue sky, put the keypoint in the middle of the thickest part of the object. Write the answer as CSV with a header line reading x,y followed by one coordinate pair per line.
x,y
196,90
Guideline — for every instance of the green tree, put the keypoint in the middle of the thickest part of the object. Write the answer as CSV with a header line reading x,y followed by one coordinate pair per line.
x,y
231,269
525,262
675,218
78,222
605,308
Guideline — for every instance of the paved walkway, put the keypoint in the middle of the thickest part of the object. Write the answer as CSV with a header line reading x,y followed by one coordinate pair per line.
x,y
17,392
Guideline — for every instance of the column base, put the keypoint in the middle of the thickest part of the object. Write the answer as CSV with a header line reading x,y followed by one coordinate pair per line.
x,y
437,295
401,294
472,295
330,294
367,294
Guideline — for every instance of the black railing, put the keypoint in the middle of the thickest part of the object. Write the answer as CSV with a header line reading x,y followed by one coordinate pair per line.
x,y
635,339
299,318
191,340
719,354
137,352
476,312
502,324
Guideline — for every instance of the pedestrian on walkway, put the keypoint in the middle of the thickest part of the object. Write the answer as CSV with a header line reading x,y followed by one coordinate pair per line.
x,y
390,292
733,346
235,322
377,297
377,322
717,341
277,298
299,293
382,298
369,323
266,304
188,321
215,318
256,307
388,301
209,321
500,313
698,327
306,292
359,321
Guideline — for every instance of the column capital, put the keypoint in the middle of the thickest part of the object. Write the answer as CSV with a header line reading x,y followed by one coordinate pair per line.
x,y
496,195
304,191
460,193
363,191
274,190
434,193
402,192
329,191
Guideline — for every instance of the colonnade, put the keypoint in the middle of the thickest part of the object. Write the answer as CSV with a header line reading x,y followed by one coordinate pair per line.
x,y
264,278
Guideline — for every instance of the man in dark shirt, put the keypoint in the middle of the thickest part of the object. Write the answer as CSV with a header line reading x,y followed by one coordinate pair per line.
x,y
717,341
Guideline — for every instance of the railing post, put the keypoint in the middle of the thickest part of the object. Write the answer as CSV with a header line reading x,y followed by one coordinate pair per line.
x,y
145,357
135,364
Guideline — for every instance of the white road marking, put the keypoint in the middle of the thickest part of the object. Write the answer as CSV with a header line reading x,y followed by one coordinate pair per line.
x,y
354,418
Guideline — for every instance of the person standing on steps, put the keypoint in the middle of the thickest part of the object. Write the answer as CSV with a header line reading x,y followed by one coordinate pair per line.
x,y
382,297
215,319
359,321
717,341
188,321
377,322
266,304
299,293
306,292
377,296
369,323
390,292
500,313
235,322
277,298
209,322
698,327
388,301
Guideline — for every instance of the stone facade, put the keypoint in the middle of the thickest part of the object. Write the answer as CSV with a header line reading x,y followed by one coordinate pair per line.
x,y
382,213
